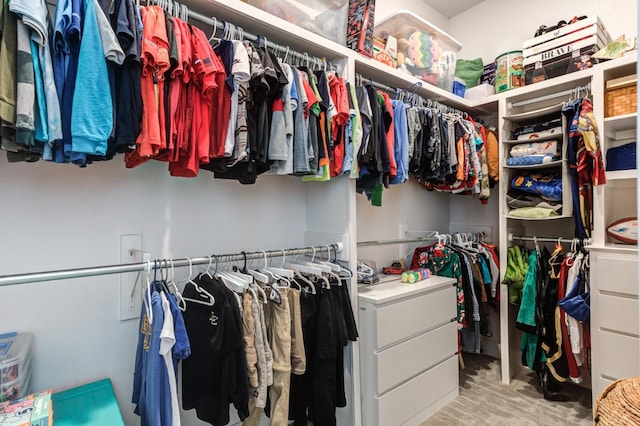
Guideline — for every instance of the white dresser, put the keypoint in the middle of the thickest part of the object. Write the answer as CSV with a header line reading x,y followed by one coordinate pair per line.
x,y
408,343
614,315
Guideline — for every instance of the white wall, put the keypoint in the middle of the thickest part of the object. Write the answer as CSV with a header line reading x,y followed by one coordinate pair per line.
x,y
497,26
60,216
385,8
408,205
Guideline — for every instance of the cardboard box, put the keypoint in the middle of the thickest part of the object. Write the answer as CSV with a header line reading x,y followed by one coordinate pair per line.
x,y
564,50
562,60
360,26
568,31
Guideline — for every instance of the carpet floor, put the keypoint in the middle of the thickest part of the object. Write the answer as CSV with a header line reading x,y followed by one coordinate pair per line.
x,y
485,400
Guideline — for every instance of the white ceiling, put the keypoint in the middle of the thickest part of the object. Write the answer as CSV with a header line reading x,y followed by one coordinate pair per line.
x,y
451,8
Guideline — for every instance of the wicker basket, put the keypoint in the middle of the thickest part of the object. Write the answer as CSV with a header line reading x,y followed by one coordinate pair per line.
x,y
619,404
621,100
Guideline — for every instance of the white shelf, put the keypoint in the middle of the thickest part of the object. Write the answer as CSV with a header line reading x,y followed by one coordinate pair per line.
x,y
530,115
538,219
276,30
286,33
620,126
614,247
622,174
382,73
536,166
540,139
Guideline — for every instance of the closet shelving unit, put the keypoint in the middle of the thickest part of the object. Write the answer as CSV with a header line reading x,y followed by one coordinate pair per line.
x,y
510,123
522,107
614,307
615,330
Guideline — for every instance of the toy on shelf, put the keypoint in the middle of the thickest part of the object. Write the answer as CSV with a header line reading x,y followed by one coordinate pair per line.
x,y
415,275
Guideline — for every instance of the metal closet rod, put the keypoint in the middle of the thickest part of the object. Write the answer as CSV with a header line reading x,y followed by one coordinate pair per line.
x,y
573,92
220,25
547,239
431,237
63,274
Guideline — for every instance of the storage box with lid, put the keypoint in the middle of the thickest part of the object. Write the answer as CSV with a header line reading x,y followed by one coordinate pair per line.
x,y
15,365
325,17
564,50
424,50
621,96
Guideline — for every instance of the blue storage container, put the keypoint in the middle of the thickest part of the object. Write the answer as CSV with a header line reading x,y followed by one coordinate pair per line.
x,y
622,157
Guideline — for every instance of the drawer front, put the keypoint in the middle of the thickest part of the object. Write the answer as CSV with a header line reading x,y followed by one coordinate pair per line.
x,y
619,355
399,363
406,318
618,314
407,400
618,274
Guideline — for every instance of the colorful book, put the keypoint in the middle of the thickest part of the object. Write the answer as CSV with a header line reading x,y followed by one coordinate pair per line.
x,y
31,410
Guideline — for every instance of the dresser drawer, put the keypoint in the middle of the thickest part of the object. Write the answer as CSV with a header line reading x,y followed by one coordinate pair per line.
x,y
618,314
409,399
399,363
398,321
617,273
620,355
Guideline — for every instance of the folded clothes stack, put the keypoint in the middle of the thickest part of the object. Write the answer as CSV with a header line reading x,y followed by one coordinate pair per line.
x,y
532,153
535,196
535,131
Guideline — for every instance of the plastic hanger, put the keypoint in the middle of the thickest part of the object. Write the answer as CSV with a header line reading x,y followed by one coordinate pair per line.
x,y
323,268
147,300
172,285
232,282
207,271
199,289
261,292
280,271
304,279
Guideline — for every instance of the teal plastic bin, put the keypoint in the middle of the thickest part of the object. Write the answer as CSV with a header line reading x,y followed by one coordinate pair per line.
x,y
91,404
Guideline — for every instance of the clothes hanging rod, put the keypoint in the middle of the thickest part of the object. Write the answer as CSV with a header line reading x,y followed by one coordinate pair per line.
x,y
547,239
220,25
63,274
431,237
586,87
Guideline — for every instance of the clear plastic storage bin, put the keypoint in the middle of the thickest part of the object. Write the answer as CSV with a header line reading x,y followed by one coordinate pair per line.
x,y
16,389
325,17
424,50
15,365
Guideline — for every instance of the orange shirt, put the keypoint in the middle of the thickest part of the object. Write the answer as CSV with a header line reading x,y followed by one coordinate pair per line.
x,y
155,62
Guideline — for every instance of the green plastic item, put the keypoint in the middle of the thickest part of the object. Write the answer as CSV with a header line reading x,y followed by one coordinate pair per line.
x,y
91,404
469,70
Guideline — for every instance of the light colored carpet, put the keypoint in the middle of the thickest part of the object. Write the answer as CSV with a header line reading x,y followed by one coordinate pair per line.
x,y
484,400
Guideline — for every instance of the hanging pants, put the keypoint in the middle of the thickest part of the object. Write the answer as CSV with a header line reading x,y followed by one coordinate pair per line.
x,y
279,331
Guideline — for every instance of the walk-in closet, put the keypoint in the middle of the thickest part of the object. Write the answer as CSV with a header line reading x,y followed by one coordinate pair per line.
x,y
353,213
